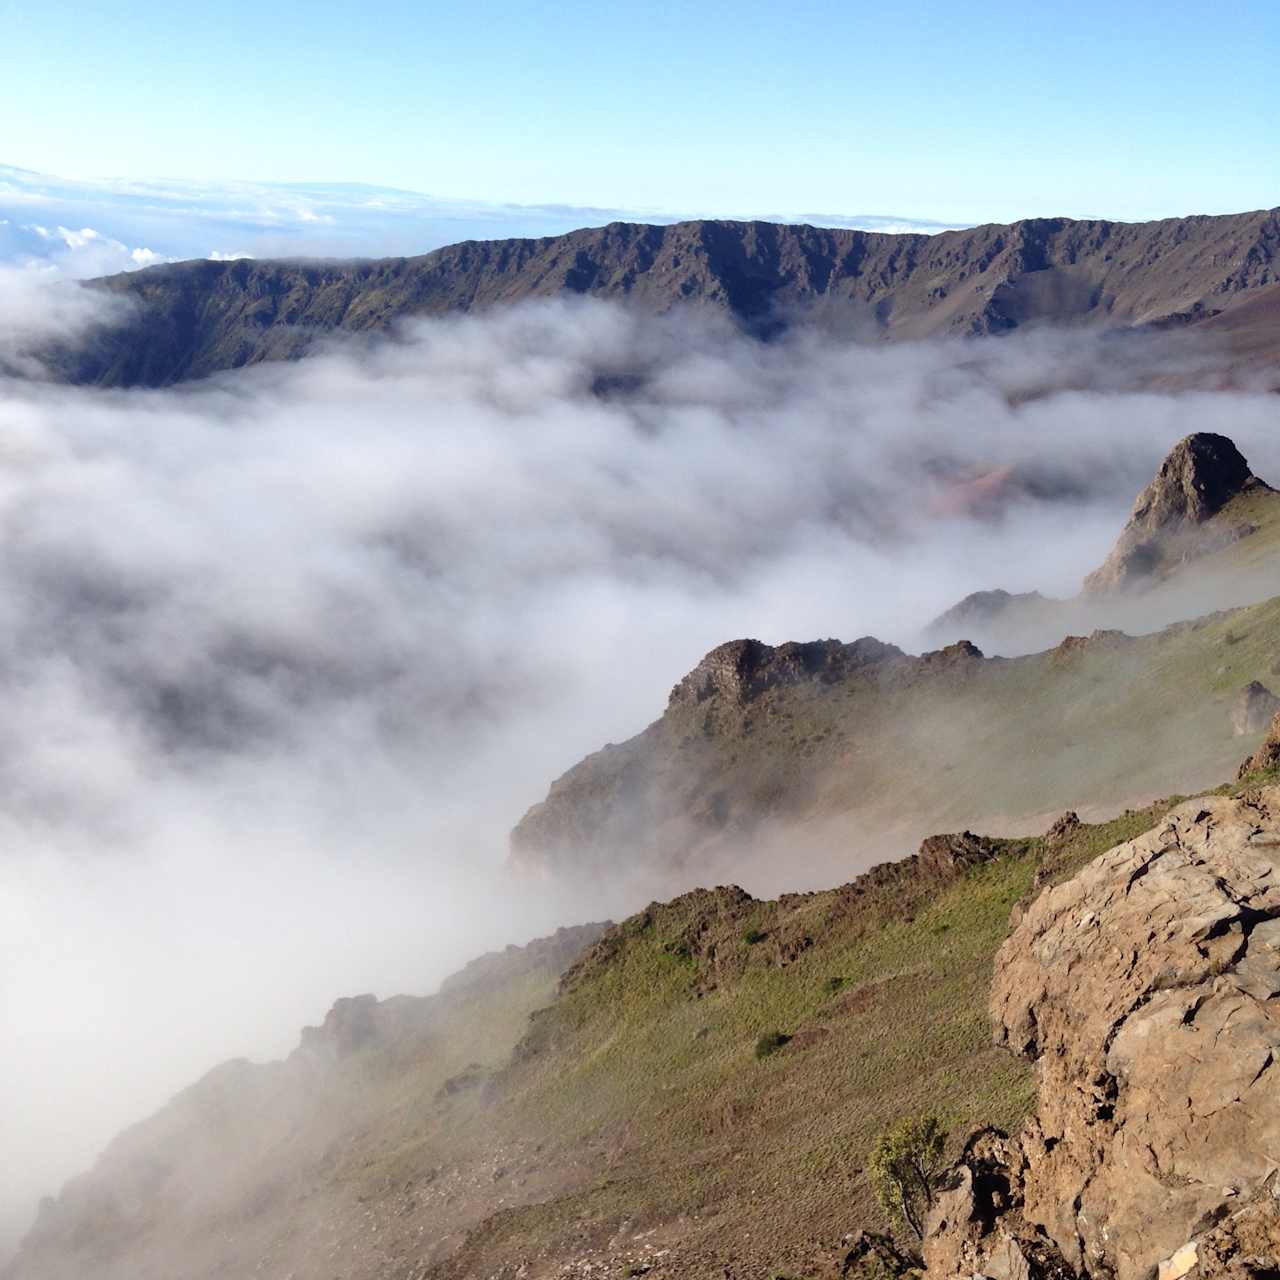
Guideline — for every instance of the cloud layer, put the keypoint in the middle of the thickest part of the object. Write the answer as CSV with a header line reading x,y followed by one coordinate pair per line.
x,y
82,228
285,654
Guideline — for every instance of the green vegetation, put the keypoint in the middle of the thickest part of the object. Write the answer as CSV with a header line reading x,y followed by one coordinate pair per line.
x,y
883,994
904,1167
770,1042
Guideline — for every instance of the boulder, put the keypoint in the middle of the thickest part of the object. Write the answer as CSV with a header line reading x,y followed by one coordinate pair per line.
x,y
1147,990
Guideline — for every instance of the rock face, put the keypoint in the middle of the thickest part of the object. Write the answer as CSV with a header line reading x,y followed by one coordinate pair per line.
x,y
195,318
1147,990
1254,708
743,669
1171,518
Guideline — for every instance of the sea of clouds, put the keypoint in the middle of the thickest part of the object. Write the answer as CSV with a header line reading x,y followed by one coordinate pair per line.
x,y
78,227
284,654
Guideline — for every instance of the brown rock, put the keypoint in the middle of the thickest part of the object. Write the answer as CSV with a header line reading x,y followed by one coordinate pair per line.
x,y
946,856
741,670
977,1226
1063,827
1146,990
1201,474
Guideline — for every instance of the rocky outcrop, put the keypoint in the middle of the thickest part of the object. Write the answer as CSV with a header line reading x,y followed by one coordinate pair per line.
x,y
1147,991
743,669
192,319
978,1225
945,856
1254,707
1171,519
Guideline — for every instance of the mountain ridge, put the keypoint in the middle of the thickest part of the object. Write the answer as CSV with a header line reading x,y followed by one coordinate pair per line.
x,y
192,319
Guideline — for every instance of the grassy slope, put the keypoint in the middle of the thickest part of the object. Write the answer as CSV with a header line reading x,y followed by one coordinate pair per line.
x,y
754,1165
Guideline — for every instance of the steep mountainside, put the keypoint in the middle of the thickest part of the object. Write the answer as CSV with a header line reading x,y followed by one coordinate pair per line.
x,y
772,759
252,1156
696,1099
698,1096
195,318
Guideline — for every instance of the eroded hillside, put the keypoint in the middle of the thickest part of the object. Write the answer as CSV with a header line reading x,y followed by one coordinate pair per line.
x,y
192,319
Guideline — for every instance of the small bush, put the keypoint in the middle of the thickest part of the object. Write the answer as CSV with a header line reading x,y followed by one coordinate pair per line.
x,y
904,1168
752,936
770,1042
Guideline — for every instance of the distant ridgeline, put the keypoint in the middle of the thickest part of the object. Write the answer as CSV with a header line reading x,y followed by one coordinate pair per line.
x,y
192,319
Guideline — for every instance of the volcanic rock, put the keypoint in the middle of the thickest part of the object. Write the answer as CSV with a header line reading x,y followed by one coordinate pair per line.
x,y
1201,474
982,608
1147,990
743,669
191,319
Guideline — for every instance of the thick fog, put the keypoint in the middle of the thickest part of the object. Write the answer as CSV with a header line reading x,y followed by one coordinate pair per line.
x,y
285,654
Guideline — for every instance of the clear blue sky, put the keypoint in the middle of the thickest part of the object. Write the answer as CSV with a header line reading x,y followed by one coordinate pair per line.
x,y
956,111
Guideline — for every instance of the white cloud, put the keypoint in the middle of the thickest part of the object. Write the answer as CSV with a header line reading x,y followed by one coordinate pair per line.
x,y
284,654
180,219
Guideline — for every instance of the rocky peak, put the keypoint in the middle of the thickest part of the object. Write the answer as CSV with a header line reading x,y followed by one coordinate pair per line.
x,y
1201,474
741,670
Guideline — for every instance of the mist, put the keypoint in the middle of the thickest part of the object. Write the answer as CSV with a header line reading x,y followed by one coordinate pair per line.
x,y
286,653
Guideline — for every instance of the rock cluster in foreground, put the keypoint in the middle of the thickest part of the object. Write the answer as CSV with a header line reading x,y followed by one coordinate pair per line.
x,y
1147,991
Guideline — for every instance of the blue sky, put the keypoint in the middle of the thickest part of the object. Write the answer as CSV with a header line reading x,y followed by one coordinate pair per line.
x,y
955,112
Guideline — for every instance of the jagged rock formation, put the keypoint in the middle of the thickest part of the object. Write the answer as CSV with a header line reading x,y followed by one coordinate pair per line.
x,y
1205,527
744,669
195,318
685,781
1146,991
1170,521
